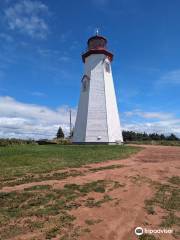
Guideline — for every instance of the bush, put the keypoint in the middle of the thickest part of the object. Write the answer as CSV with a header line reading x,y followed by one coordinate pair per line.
x,y
62,141
14,141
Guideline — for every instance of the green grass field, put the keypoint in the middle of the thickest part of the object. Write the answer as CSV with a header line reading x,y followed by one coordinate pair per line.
x,y
19,160
156,142
42,209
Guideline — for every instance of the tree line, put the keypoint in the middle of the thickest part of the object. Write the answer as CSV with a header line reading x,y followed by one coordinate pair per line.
x,y
135,136
128,136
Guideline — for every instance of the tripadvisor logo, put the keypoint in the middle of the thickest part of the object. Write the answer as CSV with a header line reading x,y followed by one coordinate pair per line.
x,y
139,231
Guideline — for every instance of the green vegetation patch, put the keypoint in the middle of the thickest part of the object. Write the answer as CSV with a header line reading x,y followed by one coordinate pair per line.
x,y
91,202
34,206
40,178
139,180
52,233
38,188
106,168
170,220
147,237
175,180
93,221
12,231
168,198
155,142
17,161
42,203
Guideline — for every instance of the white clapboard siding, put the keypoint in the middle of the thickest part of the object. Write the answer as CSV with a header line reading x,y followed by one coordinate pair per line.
x,y
97,118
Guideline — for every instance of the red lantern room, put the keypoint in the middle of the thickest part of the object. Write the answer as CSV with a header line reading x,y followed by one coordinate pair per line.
x,y
97,45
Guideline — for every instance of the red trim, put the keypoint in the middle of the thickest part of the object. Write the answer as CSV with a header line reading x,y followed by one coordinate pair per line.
x,y
97,51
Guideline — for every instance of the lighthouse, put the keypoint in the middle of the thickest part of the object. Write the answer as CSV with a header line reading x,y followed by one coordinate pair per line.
x,y
97,119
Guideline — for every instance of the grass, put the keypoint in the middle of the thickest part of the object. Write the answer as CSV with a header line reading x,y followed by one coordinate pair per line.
x,y
92,221
91,202
12,231
175,180
139,180
16,161
41,177
166,197
147,237
106,168
41,207
45,204
156,142
170,220
38,188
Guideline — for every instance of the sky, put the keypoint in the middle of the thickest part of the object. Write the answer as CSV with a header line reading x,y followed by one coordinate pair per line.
x,y
41,43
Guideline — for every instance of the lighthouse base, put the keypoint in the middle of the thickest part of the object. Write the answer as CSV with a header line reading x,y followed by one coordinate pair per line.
x,y
98,143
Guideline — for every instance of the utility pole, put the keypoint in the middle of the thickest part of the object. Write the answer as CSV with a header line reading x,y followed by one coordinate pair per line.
x,y
70,123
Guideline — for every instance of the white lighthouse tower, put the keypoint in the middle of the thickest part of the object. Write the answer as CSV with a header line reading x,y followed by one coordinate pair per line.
x,y
97,118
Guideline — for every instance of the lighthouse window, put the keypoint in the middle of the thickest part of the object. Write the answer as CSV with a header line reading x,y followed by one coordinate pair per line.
x,y
84,84
107,67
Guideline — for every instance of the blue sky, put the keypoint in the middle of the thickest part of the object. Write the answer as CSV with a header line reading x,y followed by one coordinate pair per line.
x,y
40,62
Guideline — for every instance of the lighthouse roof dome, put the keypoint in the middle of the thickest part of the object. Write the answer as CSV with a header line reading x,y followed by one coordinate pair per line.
x,y
96,37
97,45
97,42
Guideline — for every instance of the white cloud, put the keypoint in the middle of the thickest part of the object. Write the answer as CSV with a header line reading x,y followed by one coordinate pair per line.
x,y
51,53
171,77
23,120
161,127
150,122
28,17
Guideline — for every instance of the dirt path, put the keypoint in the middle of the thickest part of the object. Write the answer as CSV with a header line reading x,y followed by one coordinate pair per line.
x,y
117,219
156,163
